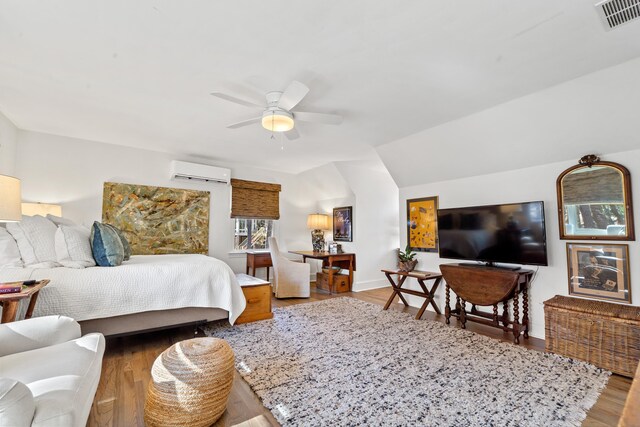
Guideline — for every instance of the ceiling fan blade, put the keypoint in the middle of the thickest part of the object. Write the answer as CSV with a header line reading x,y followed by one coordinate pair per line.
x,y
327,119
292,134
237,100
245,123
292,95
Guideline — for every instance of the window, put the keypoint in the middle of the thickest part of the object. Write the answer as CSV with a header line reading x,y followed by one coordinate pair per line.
x,y
252,233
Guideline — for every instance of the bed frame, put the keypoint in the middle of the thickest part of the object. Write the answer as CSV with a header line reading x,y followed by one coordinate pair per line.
x,y
152,320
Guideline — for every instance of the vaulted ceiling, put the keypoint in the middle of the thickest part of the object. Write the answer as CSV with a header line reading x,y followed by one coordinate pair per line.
x,y
139,73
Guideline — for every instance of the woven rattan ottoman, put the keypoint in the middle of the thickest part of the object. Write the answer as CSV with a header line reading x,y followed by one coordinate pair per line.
x,y
604,334
190,384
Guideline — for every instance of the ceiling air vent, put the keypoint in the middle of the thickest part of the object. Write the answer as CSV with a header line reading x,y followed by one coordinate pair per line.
x,y
614,13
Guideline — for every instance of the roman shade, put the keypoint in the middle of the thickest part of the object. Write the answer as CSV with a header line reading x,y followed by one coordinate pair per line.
x,y
579,189
251,199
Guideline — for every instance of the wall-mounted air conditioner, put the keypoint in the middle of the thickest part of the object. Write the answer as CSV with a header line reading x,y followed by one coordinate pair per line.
x,y
197,172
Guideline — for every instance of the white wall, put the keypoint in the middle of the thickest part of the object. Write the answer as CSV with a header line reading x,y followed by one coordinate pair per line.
x,y
71,172
596,113
366,186
535,183
8,144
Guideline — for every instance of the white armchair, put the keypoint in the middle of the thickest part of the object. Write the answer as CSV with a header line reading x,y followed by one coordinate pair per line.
x,y
291,279
48,372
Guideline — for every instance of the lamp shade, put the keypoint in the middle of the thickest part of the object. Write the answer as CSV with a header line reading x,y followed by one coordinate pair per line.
x,y
10,199
318,222
42,209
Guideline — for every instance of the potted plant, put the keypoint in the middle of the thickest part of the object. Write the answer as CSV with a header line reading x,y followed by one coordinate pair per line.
x,y
406,259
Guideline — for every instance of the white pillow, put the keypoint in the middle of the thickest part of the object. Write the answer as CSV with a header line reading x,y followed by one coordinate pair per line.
x,y
9,252
73,247
58,220
35,236
17,405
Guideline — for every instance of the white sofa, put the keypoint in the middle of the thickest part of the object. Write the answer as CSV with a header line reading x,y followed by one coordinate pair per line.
x,y
49,373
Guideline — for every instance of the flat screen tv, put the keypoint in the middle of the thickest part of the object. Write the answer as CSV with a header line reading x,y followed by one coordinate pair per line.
x,y
513,233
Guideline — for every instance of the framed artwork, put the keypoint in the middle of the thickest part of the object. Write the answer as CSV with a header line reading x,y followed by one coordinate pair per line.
x,y
343,224
158,220
422,224
599,271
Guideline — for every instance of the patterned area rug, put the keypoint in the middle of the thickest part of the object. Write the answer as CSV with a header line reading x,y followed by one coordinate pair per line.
x,y
345,362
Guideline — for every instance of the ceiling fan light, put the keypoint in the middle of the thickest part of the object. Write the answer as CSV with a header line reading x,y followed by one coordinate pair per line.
x,y
277,121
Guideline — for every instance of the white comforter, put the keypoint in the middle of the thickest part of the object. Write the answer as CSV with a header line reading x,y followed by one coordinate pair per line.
x,y
144,283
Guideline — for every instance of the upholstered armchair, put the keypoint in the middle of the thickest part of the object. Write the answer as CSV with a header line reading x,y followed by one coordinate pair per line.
x,y
49,373
291,279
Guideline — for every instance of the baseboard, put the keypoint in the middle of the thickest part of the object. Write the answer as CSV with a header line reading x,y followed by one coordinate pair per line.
x,y
369,285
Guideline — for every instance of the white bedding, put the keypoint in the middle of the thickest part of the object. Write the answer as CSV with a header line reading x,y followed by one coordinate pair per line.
x,y
144,283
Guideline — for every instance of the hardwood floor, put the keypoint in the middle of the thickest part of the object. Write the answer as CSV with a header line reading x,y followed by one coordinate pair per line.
x,y
127,365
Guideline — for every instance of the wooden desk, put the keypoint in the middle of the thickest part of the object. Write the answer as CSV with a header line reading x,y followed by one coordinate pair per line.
x,y
488,286
258,259
10,302
421,276
345,261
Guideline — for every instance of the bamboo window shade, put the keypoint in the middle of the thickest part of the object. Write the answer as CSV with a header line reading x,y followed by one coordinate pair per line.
x,y
593,186
251,199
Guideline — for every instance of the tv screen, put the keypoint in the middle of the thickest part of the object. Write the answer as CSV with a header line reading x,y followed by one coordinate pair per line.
x,y
512,233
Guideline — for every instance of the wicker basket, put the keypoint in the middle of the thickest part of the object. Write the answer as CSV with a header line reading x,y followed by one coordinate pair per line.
x,y
190,384
601,333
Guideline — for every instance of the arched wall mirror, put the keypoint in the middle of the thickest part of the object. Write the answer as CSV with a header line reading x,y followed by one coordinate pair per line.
x,y
594,201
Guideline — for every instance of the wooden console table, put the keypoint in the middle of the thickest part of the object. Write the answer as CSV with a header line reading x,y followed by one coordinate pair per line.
x,y
11,301
488,286
258,259
345,261
421,276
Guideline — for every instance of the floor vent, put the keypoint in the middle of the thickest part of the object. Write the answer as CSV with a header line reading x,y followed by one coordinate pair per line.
x,y
614,13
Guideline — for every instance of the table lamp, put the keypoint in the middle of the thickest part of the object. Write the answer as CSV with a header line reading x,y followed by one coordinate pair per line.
x,y
42,209
317,223
10,198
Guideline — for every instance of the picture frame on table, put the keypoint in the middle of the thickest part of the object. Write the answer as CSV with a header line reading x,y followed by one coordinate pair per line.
x,y
422,224
343,224
599,271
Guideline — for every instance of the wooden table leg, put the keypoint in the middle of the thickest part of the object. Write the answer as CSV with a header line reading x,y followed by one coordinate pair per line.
x,y
447,308
350,273
9,311
525,308
463,314
330,275
396,290
267,274
505,317
429,297
516,319
32,305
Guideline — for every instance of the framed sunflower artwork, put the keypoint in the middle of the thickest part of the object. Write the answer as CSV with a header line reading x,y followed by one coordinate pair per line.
x,y
422,224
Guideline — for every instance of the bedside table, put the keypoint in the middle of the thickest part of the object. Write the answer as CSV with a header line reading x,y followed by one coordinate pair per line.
x,y
10,302
258,259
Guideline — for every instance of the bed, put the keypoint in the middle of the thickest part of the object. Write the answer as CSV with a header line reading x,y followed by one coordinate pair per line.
x,y
147,292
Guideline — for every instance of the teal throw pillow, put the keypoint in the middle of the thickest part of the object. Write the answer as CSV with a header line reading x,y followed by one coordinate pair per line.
x,y
125,242
106,245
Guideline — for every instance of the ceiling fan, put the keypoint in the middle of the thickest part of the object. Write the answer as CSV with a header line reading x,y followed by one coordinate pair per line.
x,y
277,114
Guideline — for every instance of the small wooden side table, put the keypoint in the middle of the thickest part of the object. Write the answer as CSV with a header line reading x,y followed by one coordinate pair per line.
x,y
258,259
421,276
10,302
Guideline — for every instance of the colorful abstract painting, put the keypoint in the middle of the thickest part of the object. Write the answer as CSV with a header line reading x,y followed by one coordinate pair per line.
x,y
158,220
422,224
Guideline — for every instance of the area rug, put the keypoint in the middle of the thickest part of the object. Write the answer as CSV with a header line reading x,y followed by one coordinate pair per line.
x,y
345,362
